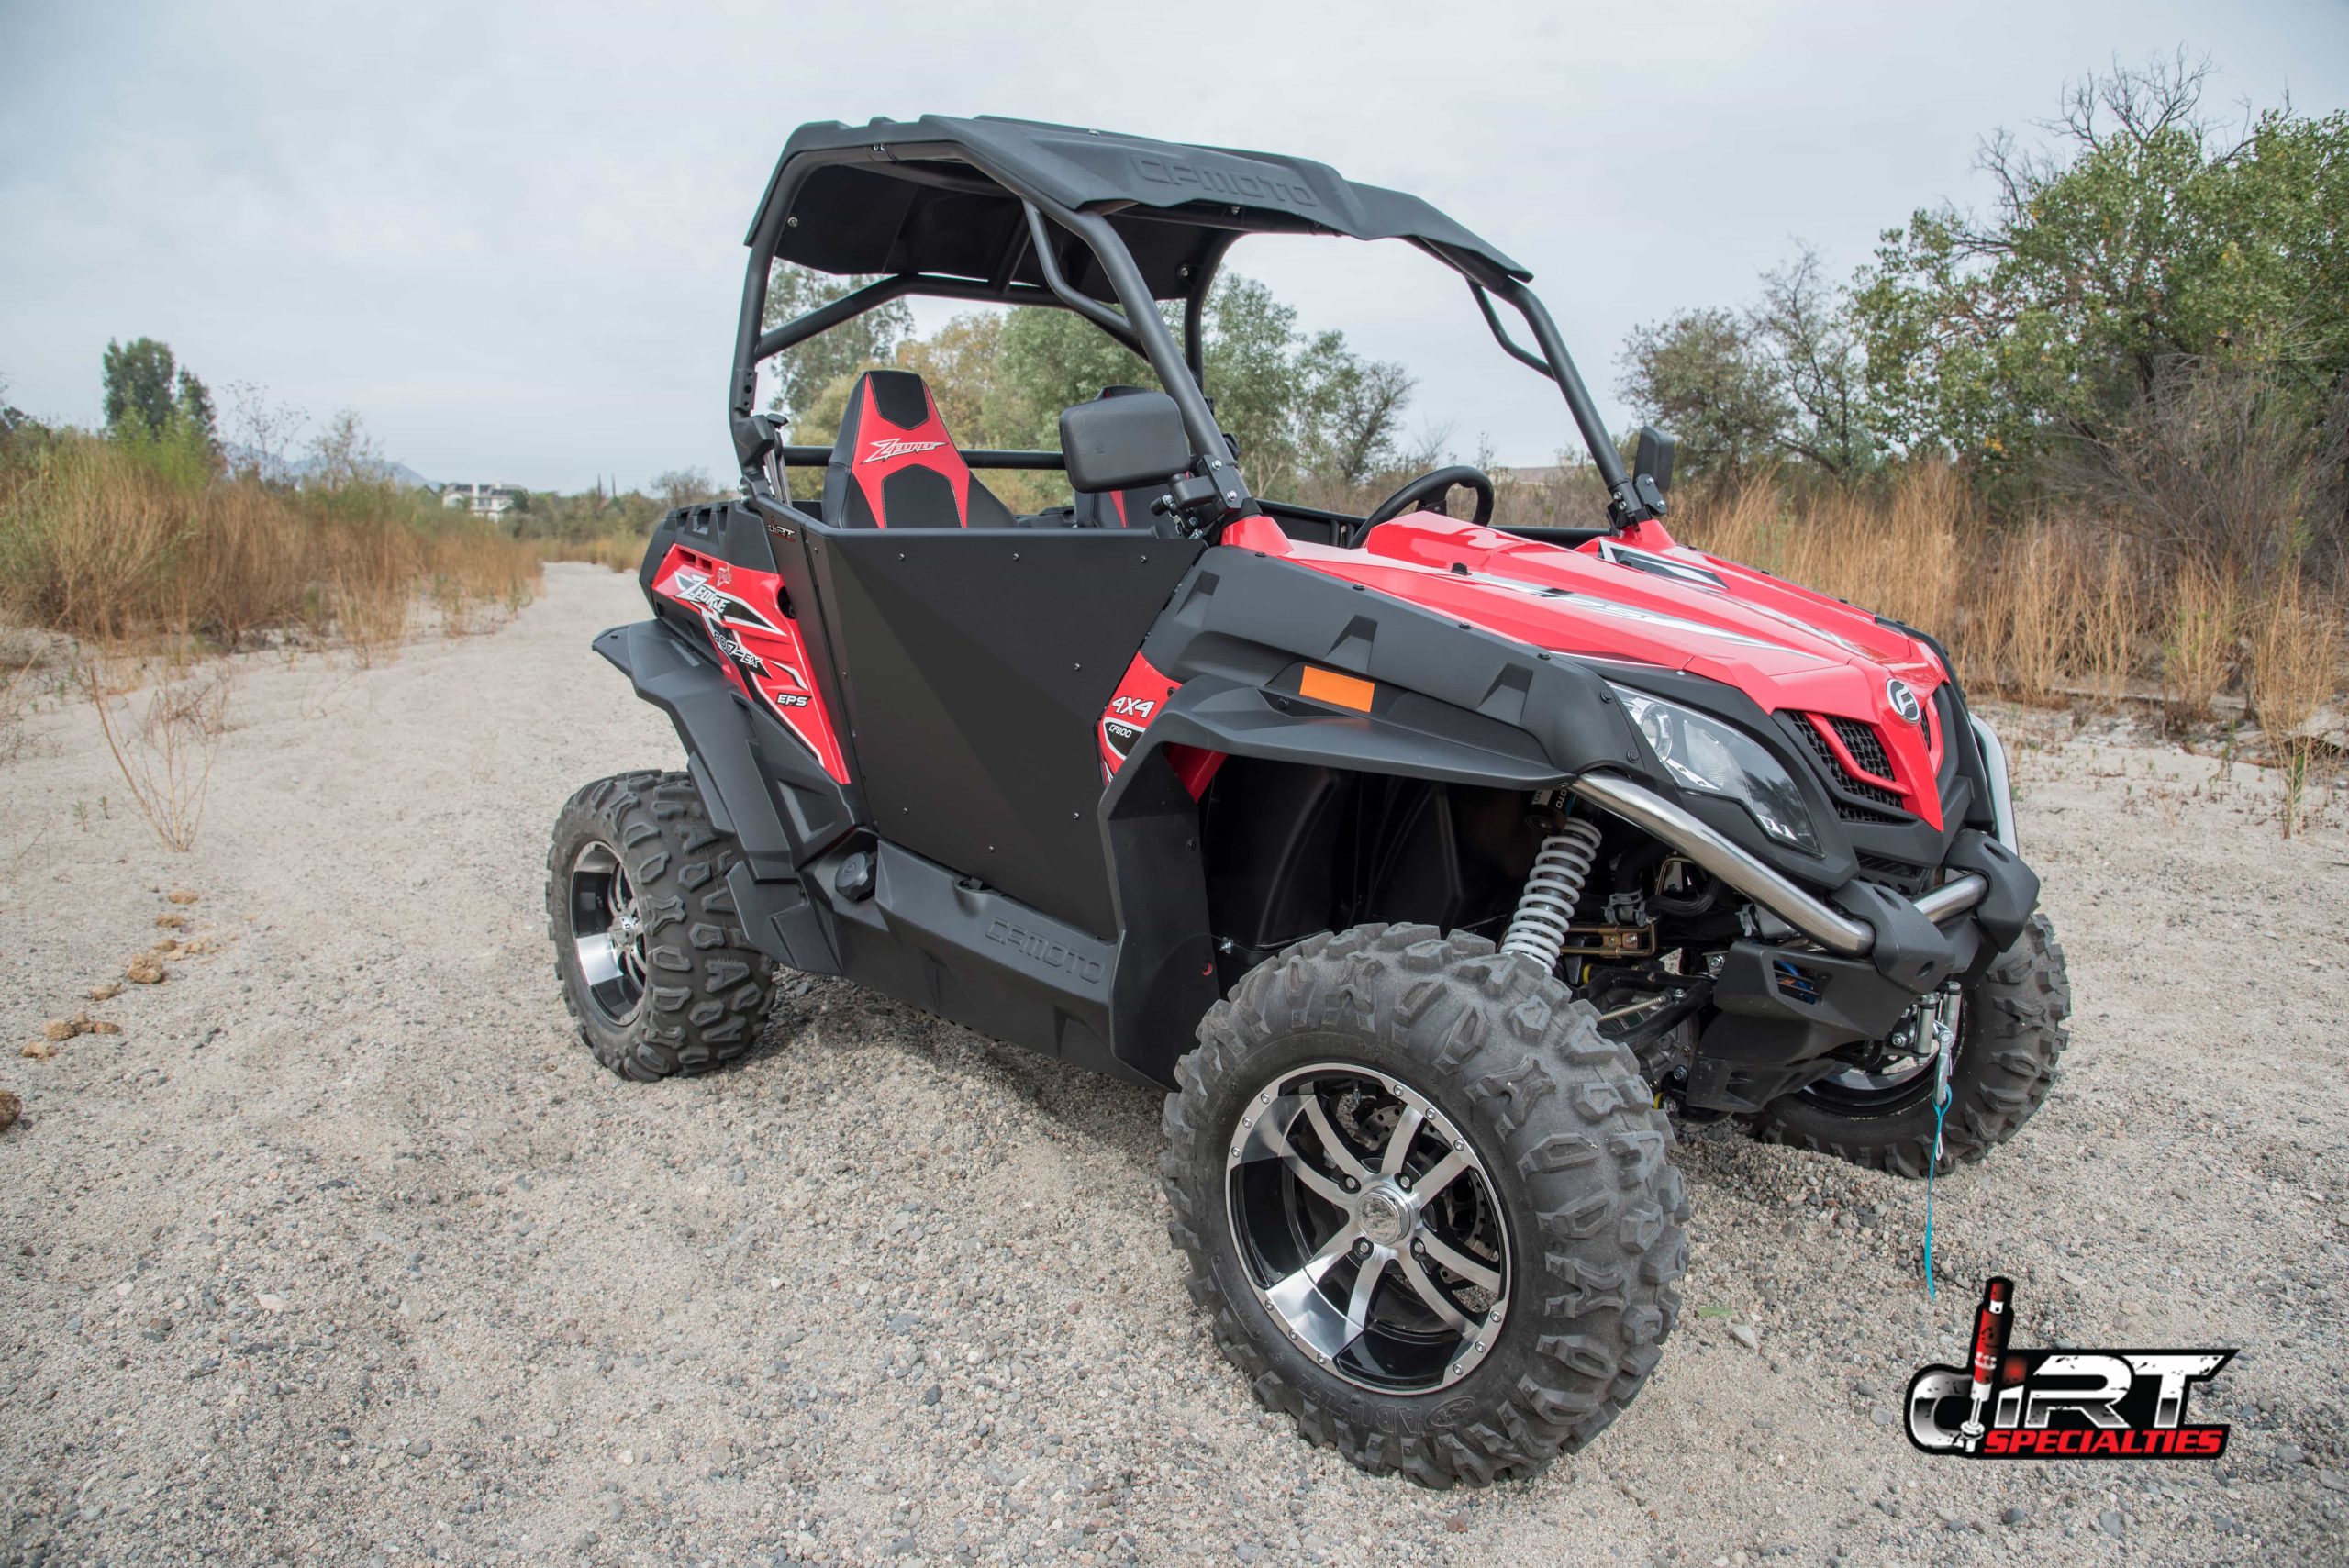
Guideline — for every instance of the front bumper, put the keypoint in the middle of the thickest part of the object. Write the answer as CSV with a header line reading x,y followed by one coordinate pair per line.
x,y
1826,971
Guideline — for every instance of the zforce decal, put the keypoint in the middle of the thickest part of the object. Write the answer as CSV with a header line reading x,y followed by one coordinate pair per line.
x,y
890,446
2061,1404
742,611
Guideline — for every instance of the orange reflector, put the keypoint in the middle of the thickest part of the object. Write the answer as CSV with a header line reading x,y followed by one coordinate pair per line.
x,y
1338,691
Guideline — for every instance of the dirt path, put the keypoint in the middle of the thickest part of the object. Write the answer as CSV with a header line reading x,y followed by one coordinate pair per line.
x,y
342,1251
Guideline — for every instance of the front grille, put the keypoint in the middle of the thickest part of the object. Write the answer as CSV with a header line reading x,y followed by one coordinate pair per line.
x,y
1843,778
1866,749
1909,879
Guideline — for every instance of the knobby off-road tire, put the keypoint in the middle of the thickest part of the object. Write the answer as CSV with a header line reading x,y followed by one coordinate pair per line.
x,y
1565,1138
636,892
2010,1032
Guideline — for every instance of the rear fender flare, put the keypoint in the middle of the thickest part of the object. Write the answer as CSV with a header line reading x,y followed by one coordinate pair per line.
x,y
757,783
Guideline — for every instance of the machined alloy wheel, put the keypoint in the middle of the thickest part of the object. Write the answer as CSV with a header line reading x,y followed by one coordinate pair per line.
x,y
1429,1208
654,963
1370,1226
607,932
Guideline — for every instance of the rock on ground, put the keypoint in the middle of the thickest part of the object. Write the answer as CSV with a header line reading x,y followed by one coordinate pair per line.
x,y
344,1252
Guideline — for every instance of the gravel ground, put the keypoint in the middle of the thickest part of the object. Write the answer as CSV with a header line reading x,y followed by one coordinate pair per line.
x,y
343,1251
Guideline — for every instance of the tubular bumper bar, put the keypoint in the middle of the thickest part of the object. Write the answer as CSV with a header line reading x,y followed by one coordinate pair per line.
x,y
1830,929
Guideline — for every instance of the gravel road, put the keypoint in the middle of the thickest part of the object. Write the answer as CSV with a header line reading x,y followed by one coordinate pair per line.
x,y
343,1251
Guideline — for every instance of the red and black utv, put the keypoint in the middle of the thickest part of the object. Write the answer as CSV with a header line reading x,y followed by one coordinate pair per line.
x,y
1433,867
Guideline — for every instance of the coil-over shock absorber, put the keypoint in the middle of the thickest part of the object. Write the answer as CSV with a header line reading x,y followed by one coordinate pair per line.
x,y
1553,888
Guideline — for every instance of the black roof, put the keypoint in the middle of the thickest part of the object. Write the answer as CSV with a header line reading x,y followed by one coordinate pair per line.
x,y
905,200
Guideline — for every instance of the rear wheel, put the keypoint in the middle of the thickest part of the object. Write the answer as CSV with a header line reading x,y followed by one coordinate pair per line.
x,y
654,965
1428,1204
2010,1031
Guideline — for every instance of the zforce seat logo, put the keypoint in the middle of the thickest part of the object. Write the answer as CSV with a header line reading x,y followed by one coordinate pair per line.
x,y
2061,1404
890,446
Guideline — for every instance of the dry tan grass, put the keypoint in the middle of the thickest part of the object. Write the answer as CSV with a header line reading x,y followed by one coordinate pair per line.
x,y
2295,655
2055,609
2199,646
480,580
621,553
2022,620
1899,556
2110,613
162,746
17,689
155,568
121,543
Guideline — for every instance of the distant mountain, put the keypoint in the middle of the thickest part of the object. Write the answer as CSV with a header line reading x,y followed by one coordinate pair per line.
x,y
297,471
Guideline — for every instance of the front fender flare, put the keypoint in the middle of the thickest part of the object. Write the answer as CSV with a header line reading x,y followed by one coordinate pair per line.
x,y
1417,736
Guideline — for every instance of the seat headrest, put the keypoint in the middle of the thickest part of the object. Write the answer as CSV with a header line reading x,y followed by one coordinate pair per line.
x,y
894,465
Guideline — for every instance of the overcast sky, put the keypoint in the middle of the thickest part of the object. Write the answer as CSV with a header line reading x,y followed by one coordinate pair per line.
x,y
510,237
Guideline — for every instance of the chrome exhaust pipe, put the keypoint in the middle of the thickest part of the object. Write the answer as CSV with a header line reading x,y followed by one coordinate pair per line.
x,y
1830,927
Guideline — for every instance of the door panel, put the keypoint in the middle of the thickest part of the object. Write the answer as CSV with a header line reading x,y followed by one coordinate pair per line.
x,y
975,664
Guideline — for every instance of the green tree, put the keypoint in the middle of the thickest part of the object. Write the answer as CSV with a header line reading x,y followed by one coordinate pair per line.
x,y
1804,326
685,487
2143,233
803,373
1705,376
150,398
1301,407
138,387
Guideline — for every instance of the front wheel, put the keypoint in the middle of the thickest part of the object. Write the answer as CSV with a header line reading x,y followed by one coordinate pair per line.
x,y
2010,1032
1430,1205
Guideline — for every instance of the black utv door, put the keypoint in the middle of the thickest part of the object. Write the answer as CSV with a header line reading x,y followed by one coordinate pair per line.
x,y
975,665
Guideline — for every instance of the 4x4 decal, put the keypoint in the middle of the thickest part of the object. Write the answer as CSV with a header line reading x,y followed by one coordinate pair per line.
x,y
1140,699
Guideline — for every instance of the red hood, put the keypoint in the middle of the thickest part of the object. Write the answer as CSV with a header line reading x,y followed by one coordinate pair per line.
x,y
1643,598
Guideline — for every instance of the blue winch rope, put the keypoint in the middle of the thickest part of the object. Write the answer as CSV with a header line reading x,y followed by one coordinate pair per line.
x,y
1941,1108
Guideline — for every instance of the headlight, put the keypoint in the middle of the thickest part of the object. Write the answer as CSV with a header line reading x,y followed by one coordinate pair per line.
x,y
1710,757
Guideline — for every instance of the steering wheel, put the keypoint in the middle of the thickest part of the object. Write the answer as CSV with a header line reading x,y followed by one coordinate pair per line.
x,y
1435,487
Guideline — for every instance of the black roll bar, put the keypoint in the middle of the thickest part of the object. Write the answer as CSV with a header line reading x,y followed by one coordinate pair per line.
x,y
973,457
1157,344
1137,324
1084,305
1484,280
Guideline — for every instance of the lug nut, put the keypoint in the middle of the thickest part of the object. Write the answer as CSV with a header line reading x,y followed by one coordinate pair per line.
x,y
1351,1184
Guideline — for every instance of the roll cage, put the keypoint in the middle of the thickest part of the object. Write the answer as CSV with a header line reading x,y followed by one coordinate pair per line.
x,y
1013,212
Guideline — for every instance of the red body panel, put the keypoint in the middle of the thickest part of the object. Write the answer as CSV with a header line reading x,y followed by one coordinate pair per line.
x,y
757,641
1790,649
1133,708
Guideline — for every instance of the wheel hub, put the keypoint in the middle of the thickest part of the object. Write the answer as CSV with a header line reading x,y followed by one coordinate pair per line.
x,y
1386,1213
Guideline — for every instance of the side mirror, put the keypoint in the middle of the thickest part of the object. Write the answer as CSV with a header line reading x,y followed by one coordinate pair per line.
x,y
1653,457
1116,443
